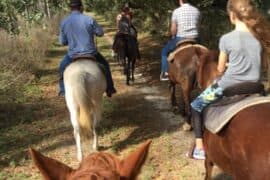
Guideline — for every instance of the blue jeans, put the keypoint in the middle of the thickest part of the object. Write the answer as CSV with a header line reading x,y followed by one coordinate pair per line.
x,y
67,60
63,64
208,96
169,47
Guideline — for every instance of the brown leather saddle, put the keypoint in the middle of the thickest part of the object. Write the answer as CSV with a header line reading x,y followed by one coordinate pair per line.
x,y
84,57
187,41
89,57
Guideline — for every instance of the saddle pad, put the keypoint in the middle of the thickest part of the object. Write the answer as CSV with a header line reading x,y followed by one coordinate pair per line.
x,y
216,117
177,50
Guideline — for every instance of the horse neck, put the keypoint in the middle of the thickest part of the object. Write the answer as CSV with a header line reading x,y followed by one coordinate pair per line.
x,y
208,72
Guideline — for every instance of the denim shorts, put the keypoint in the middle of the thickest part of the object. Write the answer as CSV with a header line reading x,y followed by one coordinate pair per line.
x,y
209,95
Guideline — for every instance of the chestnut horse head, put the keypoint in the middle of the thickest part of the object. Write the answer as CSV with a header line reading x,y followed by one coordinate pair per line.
x,y
240,148
100,165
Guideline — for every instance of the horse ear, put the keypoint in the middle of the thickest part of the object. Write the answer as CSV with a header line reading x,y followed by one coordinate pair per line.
x,y
50,168
131,165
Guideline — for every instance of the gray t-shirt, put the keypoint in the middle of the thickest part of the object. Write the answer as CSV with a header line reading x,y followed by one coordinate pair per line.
x,y
244,53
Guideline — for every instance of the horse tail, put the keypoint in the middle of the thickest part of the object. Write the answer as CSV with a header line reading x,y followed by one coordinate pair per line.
x,y
85,115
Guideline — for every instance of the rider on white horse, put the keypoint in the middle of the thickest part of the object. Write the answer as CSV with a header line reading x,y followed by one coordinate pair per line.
x,y
77,31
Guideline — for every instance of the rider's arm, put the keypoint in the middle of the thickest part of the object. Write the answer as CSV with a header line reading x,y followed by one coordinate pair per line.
x,y
222,62
97,29
174,23
62,36
173,28
118,17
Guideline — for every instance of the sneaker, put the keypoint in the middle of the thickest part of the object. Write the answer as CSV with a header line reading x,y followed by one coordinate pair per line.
x,y
198,154
61,94
164,76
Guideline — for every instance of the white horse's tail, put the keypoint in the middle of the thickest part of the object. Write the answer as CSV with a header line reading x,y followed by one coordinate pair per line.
x,y
84,84
86,105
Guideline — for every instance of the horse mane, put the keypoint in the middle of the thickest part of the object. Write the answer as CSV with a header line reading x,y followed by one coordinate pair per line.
x,y
207,67
98,165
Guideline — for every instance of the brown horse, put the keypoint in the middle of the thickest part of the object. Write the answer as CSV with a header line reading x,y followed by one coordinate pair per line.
x,y
98,165
241,148
183,64
125,48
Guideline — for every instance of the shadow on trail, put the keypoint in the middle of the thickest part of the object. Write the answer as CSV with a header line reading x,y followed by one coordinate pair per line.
x,y
14,149
137,111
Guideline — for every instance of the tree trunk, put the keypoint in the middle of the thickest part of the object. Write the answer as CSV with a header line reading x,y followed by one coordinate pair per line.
x,y
47,9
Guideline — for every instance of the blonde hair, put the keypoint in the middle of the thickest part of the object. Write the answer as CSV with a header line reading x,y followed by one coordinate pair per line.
x,y
256,23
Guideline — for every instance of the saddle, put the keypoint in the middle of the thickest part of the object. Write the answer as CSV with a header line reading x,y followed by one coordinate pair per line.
x,y
183,44
89,57
235,99
84,56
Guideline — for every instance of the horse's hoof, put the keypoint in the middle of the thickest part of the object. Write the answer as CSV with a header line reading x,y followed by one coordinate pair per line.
x,y
175,109
186,127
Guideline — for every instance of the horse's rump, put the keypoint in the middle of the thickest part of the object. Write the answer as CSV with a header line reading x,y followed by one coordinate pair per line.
x,y
217,115
85,84
241,148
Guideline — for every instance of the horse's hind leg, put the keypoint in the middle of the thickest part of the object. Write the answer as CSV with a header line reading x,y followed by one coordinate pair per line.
x,y
128,72
186,88
133,69
208,168
73,110
173,98
95,135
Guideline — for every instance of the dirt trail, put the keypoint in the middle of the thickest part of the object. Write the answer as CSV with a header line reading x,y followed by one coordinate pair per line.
x,y
144,111
145,107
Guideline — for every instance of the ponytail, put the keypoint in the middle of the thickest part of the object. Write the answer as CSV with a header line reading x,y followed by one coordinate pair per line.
x,y
256,23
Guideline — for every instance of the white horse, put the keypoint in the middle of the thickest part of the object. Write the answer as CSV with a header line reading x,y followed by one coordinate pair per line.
x,y
85,84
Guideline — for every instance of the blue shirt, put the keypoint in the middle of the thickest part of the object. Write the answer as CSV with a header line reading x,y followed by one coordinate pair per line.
x,y
78,31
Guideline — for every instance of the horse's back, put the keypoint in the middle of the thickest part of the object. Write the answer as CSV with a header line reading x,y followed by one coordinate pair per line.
x,y
242,148
84,81
85,69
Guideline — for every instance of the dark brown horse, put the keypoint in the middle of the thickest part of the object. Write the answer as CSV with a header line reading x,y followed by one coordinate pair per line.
x,y
183,64
100,165
241,149
125,47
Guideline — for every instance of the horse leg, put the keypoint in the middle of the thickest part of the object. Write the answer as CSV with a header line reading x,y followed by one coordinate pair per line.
x,y
73,109
186,96
133,69
95,138
208,168
125,66
128,72
173,98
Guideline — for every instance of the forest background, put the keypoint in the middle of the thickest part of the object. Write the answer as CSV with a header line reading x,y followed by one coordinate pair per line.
x,y
29,27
